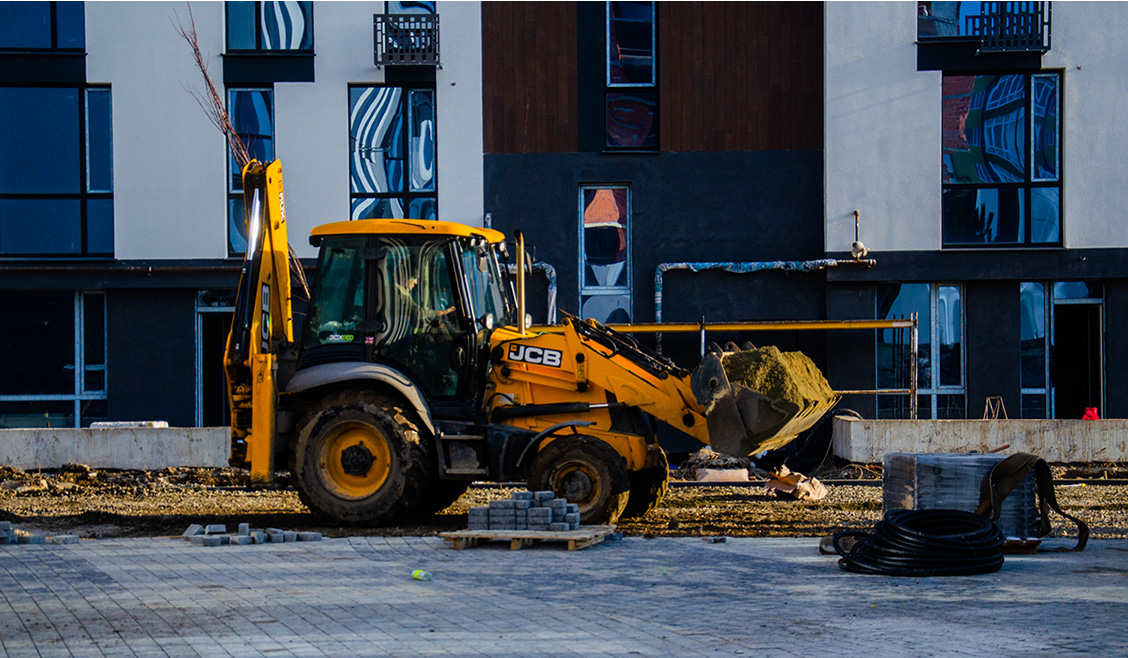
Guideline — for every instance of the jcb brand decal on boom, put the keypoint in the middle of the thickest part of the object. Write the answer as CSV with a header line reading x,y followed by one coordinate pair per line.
x,y
264,324
537,355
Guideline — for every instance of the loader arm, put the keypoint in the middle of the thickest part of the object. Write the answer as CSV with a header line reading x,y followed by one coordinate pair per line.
x,y
263,322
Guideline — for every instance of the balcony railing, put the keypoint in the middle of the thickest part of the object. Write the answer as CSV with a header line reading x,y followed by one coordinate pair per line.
x,y
996,26
411,39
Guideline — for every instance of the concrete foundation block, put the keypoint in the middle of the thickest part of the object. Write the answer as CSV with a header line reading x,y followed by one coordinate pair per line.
x,y
573,519
205,540
290,535
544,495
242,540
542,527
309,536
215,529
558,527
63,539
244,529
259,536
523,495
275,537
193,530
571,508
502,504
28,538
539,514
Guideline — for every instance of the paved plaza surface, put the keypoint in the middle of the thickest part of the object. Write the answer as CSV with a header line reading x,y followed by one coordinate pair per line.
x,y
651,597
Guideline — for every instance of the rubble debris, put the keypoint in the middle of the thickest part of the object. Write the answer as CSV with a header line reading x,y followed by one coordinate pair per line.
x,y
707,459
215,534
797,486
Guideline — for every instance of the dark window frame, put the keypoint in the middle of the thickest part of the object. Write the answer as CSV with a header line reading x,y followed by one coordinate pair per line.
x,y
84,195
406,196
1030,181
258,49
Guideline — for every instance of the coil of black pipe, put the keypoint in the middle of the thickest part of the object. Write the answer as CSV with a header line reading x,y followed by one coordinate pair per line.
x,y
918,543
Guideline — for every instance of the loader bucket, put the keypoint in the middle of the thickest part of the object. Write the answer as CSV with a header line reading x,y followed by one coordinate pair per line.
x,y
759,399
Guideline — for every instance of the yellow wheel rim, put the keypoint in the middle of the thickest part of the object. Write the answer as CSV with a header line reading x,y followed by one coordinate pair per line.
x,y
354,461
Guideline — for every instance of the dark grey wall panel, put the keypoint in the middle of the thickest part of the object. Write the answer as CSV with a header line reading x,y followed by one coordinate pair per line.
x,y
851,353
151,355
992,311
1116,350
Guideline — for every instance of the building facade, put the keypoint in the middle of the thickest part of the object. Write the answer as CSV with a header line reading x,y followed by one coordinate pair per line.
x,y
621,138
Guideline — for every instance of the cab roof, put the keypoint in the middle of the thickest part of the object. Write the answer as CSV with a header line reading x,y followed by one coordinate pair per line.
x,y
405,227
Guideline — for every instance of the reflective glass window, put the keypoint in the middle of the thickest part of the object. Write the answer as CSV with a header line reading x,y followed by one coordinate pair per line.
x,y
1078,290
392,161
252,115
1032,327
605,254
945,19
939,358
37,340
40,227
1000,159
337,304
100,227
93,342
631,95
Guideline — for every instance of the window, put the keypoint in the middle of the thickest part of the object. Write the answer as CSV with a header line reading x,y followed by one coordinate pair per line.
x,y
252,115
1061,347
632,82
1002,160
940,366
605,253
270,26
392,153
56,171
53,346
42,26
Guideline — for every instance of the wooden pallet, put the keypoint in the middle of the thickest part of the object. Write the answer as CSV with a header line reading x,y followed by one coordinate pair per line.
x,y
518,539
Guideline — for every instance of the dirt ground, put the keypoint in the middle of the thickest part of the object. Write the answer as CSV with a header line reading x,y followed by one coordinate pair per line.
x,y
103,503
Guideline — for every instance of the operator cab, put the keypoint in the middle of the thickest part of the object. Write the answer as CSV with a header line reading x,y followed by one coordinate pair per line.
x,y
420,297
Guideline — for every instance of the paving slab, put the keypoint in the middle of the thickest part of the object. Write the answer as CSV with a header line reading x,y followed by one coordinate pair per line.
x,y
657,597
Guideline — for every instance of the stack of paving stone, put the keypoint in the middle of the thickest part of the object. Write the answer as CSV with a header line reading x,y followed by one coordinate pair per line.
x,y
11,535
526,510
215,534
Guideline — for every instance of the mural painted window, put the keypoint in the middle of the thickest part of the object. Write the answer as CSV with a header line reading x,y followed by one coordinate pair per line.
x,y
56,171
940,364
632,76
605,253
1062,347
53,347
252,115
1001,160
269,26
392,153
42,26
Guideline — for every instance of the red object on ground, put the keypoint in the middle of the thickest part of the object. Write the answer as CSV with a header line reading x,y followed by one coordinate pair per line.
x,y
1090,414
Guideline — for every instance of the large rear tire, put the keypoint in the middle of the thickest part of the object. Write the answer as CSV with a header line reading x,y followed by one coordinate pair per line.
x,y
648,487
359,458
587,472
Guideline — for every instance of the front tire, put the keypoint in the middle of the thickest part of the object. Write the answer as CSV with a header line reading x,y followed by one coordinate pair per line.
x,y
359,458
587,472
648,487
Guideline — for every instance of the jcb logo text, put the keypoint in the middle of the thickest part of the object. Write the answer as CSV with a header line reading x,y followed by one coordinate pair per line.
x,y
529,354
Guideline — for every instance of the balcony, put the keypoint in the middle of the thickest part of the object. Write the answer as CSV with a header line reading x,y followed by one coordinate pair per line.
x,y
956,36
995,26
406,39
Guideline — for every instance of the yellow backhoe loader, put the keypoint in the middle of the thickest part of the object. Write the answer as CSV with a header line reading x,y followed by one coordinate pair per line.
x,y
417,374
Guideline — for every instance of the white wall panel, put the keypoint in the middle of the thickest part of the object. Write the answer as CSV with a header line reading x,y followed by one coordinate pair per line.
x,y
169,195
882,130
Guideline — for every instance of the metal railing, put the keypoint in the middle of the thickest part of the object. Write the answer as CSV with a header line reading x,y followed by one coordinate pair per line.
x,y
406,39
1011,26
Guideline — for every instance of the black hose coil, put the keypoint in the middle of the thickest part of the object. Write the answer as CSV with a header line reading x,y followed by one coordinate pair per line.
x,y
917,543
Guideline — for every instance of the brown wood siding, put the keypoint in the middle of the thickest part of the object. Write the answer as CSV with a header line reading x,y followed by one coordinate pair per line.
x,y
740,76
529,79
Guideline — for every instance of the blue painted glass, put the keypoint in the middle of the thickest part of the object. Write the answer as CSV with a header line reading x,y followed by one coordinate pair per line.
x,y
946,19
1032,334
100,227
984,129
40,226
241,26
287,25
423,209
630,43
99,141
377,209
71,21
252,115
25,25
40,140
1045,215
